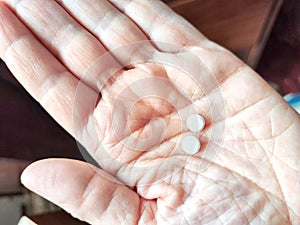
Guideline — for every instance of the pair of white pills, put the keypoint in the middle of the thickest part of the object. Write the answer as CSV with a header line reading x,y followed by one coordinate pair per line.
x,y
190,143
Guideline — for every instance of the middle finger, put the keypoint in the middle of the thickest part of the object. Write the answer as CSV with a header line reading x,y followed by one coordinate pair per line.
x,y
70,42
110,25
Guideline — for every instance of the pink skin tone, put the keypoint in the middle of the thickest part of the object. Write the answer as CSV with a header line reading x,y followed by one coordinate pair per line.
x,y
255,175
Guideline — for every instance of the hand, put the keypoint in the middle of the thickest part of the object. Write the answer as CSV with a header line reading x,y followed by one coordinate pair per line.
x,y
89,64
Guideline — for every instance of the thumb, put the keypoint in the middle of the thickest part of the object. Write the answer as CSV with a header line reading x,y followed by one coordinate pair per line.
x,y
83,190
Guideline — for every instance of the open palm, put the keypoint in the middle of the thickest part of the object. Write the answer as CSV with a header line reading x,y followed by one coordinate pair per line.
x,y
122,77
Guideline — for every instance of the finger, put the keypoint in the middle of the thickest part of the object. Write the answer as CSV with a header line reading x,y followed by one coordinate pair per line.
x,y
111,26
105,21
71,43
41,74
160,23
86,192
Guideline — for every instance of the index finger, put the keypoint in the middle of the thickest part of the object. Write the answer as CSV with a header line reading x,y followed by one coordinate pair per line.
x,y
44,77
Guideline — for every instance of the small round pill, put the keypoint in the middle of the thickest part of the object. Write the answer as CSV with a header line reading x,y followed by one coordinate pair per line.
x,y
195,123
190,144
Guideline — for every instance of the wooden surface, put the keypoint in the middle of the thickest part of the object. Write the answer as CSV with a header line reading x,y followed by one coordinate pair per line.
x,y
57,218
242,26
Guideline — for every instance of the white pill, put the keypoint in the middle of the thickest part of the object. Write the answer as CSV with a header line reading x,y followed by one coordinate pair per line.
x,y
190,144
195,123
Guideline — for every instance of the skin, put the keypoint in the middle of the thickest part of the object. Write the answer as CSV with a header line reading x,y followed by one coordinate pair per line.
x,y
248,168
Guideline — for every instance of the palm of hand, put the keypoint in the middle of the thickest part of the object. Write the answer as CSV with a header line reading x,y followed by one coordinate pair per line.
x,y
240,174
231,169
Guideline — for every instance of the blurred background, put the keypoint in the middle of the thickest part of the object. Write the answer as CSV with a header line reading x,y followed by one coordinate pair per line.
x,y
263,33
